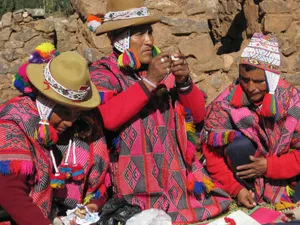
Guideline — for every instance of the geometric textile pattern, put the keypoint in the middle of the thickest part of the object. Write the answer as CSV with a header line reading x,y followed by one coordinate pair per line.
x,y
273,137
19,118
151,169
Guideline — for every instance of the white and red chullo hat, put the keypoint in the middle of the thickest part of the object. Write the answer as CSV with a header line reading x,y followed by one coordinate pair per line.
x,y
263,52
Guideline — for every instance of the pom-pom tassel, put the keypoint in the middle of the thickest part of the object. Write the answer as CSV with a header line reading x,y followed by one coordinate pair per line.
x,y
97,195
209,185
129,60
269,105
77,172
290,192
4,167
66,170
190,153
236,97
45,134
194,186
57,180
198,187
155,51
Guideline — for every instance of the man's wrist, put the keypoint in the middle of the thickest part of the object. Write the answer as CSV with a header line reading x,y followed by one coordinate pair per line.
x,y
186,86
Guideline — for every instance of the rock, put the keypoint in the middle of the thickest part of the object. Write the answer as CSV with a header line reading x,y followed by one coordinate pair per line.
x,y
293,79
66,45
92,54
163,36
186,26
251,15
298,63
21,53
59,25
25,34
72,27
284,64
233,7
18,17
195,7
167,6
10,55
16,28
62,35
18,11
36,12
198,78
275,6
87,7
289,50
101,42
297,14
233,72
202,42
25,14
7,19
28,19
277,23
217,80
34,42
4,66
5,34
15,65
297,38
212,65
75,16
228,61
14,44
46,26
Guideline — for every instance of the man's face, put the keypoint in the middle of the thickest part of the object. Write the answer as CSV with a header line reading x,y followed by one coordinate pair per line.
x,y
254,84
141,43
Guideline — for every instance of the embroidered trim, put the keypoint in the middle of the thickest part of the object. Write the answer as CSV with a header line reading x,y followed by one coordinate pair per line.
x,y
127,14
70,94
122,42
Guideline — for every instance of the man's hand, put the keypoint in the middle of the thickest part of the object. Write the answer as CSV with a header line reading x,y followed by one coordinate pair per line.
x,y
92,207
257,168
246,198
179,67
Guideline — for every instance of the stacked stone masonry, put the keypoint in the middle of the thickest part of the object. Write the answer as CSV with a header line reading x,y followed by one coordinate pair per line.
x,y
211,33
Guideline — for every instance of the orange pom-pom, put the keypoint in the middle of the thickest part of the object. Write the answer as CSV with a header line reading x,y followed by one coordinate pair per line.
x,y
92,17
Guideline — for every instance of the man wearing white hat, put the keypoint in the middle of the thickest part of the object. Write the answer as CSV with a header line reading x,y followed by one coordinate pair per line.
x,y
252,134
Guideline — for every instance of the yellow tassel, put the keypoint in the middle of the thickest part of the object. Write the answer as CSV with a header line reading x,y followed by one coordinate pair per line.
x,y
282,205
290,192
45,47
208,184
190,127
87,199
120,60
226,138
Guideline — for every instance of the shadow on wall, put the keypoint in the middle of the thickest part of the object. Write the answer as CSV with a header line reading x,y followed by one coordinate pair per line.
x,y
233,40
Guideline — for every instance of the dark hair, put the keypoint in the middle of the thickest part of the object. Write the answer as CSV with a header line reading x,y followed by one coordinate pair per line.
x,y
248,67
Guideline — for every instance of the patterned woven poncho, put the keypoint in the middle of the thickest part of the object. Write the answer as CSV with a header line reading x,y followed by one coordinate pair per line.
x,y
276,136
21,154
152,166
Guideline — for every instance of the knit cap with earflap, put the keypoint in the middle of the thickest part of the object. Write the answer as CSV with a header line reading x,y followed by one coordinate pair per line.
x,y
262,52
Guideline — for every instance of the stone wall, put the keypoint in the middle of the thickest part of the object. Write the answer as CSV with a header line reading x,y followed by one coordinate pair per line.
x,y
211,32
